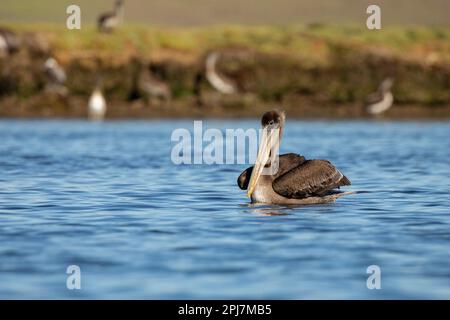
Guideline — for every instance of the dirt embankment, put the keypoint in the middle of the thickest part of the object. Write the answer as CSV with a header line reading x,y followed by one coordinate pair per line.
x,y
333,84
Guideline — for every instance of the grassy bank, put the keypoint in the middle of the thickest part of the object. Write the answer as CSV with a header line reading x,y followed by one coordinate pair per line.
x,y
319,69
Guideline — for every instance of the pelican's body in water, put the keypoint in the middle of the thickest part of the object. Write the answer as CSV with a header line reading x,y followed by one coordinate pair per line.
x,y
97,105
381,100
294,180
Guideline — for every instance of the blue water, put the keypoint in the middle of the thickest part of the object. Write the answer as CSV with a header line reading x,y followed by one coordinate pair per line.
x,y
106,197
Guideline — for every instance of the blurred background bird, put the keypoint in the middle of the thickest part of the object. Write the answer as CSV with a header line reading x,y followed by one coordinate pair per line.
x,y
9,42
97,103
150,87
218,81
56,76
381,100
109,21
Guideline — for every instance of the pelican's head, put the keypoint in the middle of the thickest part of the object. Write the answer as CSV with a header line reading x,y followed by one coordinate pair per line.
x,y
273,119
272,123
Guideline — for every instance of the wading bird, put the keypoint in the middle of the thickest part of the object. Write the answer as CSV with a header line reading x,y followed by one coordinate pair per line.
x,y
56,76
9,42
297,180
218,81
150,86
108,21
381,100
97,104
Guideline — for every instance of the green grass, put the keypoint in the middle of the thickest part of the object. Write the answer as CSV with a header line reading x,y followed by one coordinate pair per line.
x,y
310,43
331,63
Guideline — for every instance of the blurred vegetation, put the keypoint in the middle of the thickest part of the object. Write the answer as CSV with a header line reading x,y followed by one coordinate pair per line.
x,y
325,63
306,42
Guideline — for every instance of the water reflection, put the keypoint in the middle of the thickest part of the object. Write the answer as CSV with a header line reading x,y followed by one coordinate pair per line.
x,y
269,210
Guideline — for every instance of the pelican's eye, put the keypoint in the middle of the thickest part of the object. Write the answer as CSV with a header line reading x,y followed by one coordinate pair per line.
x,y
271,122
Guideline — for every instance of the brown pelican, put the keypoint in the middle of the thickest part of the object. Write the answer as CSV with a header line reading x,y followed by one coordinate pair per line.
x,y
56,76
381,100
108,21
150,86
9,42
297,180
219,82
97,103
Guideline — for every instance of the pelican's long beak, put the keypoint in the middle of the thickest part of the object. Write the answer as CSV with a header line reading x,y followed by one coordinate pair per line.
x,y
269,139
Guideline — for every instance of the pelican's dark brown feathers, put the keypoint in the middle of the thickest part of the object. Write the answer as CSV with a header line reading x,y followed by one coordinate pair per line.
x,y
298,178
287,162
311,178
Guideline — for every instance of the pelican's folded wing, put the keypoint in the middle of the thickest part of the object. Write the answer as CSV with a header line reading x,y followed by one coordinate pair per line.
x,y
244,178
311,178
286,162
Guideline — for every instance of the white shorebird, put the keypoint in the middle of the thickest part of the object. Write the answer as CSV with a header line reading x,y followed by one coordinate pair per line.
x,y
219,82
97,104
381,100
9,42
108,21
56,76
54,71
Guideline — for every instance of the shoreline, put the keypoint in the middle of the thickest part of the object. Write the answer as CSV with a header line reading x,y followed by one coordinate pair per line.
x,y
187,109
312,72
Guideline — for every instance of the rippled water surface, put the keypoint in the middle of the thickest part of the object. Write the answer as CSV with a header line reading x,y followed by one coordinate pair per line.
x,y
106,197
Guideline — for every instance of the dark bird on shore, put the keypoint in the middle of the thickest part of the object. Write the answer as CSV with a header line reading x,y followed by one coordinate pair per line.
x,y
9,41
149,86
217,80
109,21
381,100
56,76
293,179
